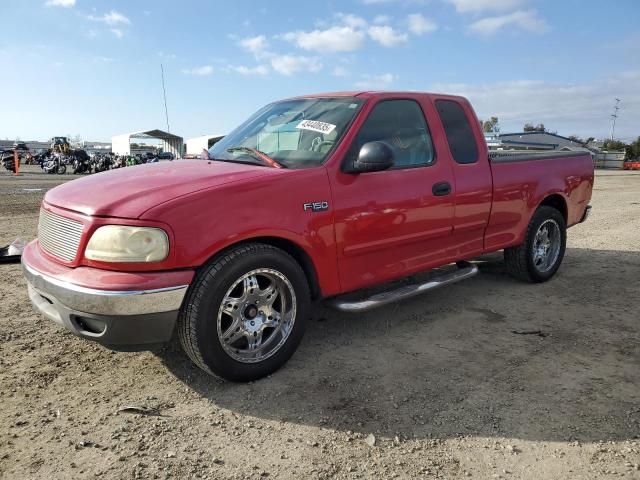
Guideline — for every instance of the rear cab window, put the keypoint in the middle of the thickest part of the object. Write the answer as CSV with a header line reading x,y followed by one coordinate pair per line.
x,y
457,128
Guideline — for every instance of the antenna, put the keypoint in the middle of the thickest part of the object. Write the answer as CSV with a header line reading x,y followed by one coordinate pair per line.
x,y
164,93
614,116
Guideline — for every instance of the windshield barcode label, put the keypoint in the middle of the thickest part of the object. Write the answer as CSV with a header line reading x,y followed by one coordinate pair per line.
x,y
316,126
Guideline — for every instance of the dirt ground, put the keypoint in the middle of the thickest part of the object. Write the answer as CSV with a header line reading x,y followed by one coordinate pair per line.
x,y
436,387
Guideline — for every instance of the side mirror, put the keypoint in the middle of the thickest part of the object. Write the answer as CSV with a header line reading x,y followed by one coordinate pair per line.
x,y
205,154
373,157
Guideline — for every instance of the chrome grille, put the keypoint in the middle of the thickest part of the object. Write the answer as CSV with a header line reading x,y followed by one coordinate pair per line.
x,y
58,235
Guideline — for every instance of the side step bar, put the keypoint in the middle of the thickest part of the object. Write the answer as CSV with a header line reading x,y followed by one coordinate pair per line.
x,y
465,270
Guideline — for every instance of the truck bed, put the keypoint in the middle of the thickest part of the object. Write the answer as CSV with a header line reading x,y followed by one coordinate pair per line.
x,y
521,181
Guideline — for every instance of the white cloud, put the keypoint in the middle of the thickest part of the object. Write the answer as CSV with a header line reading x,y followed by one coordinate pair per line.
x,y
333,39
381,19
569,108
202,71
290,64
117,32
387,36
112,18
475,6
351,20
116,18
419,24
376,82
340,72
521,19
257,45
60,3
244,70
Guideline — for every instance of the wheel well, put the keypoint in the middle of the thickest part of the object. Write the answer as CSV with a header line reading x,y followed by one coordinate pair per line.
x,y
558,202
296,252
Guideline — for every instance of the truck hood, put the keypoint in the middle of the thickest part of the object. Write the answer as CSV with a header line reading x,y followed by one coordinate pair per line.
x,y
131,191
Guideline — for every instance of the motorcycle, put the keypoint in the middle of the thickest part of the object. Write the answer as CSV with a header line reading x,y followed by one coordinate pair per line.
x,y
134,160
80,162
102,163
119,161
8,162
39,158
55,164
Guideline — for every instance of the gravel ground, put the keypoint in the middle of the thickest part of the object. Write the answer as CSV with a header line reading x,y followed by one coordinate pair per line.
x,y
436,387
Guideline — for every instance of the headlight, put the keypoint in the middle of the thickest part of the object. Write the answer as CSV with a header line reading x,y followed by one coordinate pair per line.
x,y
116,243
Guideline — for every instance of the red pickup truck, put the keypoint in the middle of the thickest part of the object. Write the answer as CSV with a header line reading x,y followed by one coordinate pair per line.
x,y
310,199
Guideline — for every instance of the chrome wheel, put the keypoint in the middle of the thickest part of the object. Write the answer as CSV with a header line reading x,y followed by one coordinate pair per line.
x,y
546,246
256,315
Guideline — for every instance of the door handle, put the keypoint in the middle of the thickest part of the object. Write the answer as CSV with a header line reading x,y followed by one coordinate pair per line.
x,y
441,189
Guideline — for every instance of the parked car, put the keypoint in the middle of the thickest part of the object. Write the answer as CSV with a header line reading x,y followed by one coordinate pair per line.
x,y
166,156
313,199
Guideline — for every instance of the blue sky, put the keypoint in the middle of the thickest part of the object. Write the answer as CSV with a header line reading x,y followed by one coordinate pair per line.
x,y
92,67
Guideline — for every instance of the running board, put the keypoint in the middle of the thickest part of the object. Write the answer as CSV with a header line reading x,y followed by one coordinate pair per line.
x,y
465,270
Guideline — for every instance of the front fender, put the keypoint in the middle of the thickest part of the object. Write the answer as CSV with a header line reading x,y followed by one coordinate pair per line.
x,y
208,222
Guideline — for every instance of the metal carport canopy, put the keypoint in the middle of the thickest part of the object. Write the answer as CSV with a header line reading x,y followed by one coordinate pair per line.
x,y
121,144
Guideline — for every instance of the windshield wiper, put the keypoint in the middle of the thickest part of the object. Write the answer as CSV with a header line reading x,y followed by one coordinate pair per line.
x,y
263,157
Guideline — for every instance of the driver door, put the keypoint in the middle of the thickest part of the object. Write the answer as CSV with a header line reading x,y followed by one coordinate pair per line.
x,y
399,221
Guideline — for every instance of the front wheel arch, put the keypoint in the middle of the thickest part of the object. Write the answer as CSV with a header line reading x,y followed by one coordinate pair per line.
x,y
299,254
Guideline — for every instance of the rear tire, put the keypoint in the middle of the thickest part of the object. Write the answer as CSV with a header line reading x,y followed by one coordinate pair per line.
x,y
539,257
245,313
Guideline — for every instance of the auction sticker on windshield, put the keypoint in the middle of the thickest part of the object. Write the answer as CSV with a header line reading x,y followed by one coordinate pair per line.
x,y
316,126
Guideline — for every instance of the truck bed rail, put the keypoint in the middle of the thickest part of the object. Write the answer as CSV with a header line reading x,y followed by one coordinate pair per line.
x,y
521,156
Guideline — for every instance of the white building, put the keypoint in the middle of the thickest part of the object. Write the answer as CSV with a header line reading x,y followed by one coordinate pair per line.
x,y
121,144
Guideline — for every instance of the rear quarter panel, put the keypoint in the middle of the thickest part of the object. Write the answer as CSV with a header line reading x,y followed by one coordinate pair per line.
x,y
519,187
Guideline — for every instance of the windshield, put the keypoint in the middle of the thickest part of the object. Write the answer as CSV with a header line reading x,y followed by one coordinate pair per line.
x,y
296,133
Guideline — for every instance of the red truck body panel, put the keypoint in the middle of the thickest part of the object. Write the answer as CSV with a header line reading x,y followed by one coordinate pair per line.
x,y
519,187
380,226
129,195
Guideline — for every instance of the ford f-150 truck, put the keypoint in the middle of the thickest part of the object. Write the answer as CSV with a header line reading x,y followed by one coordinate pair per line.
x,y
312,198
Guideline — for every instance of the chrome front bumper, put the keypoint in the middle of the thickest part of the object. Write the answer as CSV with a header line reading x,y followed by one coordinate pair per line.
x,y
112,318
106,302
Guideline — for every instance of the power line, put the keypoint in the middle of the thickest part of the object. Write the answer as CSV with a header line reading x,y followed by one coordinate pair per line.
x,y
614,116
164,93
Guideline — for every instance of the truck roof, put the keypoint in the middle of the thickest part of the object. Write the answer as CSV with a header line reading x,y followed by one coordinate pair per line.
x,y
376,93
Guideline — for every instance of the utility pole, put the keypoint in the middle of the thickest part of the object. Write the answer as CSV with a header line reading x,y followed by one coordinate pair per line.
x,y
614,116
164,93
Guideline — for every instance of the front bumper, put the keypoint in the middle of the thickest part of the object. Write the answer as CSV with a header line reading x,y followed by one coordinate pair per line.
x,y
121,319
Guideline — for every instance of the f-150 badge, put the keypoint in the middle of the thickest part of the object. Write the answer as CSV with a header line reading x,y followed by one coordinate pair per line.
x,y
316,206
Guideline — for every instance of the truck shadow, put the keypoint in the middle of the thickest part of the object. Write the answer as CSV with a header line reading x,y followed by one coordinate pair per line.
x,y
558,361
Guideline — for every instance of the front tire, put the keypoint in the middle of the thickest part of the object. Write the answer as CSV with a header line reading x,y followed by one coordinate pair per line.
x,y
245,313
540,256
